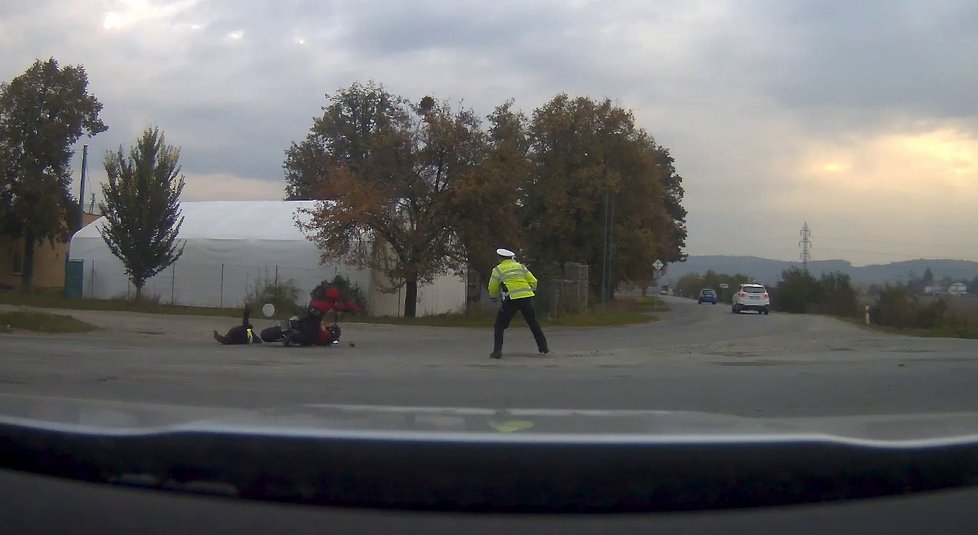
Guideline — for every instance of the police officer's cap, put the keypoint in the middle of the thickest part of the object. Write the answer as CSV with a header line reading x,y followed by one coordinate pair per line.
x,y
505,252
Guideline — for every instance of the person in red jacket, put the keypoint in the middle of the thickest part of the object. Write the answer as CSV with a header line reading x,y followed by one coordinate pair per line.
x,y
313,329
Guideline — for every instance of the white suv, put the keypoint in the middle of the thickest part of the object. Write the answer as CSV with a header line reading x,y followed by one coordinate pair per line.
x,y
751,297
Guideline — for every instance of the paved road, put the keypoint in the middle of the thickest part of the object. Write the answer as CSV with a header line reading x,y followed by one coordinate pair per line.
x,y
700,358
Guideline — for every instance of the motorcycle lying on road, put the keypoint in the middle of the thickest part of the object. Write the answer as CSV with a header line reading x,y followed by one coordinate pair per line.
x,y
296,331
312,328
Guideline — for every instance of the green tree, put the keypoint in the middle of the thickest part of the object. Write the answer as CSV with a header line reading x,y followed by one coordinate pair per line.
x,y
356,119
836,295
142,206
673,184
797,291
973,286
43,112
689,285
895,306
928,278
487,199
598,193
392,206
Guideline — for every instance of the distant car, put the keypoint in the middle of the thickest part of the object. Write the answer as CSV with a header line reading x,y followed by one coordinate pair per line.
x,y
663,292
707,296
751,297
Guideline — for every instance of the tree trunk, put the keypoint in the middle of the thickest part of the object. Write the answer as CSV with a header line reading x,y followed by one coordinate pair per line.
x,y
27,270
411,297
139,292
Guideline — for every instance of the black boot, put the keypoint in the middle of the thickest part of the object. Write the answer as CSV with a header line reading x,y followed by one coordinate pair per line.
x,y
496,355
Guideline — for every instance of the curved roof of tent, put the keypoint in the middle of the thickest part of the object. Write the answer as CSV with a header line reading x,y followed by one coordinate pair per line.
x,y
233,220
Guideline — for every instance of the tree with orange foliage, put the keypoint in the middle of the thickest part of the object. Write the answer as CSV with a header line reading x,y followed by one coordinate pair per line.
x,y
388,176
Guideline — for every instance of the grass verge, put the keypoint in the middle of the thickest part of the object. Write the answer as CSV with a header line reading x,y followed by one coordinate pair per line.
x,y
943,331
42,322
621,312
45,299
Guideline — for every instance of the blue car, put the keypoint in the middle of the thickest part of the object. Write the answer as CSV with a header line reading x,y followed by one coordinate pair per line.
x,y
707,296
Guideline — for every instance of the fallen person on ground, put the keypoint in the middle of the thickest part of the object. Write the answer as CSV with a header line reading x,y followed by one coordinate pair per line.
x,y
240,334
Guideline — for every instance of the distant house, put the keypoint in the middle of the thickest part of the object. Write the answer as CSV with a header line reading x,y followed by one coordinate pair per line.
x,y
958,288
933,290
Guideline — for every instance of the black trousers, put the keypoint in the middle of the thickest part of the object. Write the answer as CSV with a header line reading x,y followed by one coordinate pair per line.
x,y
505,315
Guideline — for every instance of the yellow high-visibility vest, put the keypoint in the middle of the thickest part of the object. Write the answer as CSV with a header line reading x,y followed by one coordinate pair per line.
x,y
520,283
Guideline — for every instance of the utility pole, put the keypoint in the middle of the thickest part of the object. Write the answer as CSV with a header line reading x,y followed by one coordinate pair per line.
x,y
806,246
611,248
605,271
81,190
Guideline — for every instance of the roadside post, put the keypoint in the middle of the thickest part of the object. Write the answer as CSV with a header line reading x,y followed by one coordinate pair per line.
x,y
657,273
867,314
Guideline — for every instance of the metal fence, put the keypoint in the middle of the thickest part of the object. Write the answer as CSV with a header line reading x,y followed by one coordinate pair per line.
x,y
558,297
555,296
212,285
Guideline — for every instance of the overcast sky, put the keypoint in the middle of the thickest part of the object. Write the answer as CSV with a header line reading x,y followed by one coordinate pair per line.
x,y
859,117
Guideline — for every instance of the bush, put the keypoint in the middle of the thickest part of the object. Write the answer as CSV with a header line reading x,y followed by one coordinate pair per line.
x,y
933,315
836,295
897,307
350,291
284,294
894,306
798,291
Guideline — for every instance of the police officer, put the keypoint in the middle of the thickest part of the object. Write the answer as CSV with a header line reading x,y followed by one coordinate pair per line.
x,y
516,285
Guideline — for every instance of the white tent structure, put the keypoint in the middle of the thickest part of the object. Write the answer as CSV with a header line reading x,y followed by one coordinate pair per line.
x,y
232,247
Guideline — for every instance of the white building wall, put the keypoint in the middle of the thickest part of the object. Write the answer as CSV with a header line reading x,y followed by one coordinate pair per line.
x,y
445,295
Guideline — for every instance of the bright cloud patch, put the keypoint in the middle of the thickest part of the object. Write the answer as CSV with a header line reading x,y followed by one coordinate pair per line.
x,y
890,197
129,13
221,187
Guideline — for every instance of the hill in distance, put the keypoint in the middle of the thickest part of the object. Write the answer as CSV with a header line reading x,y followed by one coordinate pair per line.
x,y
767,271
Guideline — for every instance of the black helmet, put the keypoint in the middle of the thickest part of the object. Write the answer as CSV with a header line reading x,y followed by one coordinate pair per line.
x,y
319,292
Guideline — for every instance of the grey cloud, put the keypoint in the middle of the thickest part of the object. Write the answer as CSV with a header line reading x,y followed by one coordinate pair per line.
x,y
730,93
477,27
874,59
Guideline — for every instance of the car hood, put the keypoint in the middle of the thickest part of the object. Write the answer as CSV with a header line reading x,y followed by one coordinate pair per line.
x,y
488,459
455,423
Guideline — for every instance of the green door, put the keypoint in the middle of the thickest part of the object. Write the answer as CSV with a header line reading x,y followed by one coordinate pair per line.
x,y
74,279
